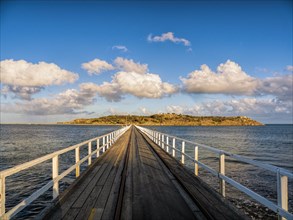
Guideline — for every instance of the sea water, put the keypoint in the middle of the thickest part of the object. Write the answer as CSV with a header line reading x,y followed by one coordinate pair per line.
x,y
272,144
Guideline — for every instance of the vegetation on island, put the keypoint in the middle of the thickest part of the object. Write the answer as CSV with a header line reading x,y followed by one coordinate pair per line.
x,y
168,119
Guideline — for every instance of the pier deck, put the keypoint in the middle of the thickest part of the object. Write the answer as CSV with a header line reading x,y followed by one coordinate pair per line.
x,y
136,179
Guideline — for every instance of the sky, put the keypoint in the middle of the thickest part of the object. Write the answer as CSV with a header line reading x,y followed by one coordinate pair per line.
x,y
62,60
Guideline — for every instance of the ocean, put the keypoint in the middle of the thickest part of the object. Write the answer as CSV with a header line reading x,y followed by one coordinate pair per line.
x,y
271,144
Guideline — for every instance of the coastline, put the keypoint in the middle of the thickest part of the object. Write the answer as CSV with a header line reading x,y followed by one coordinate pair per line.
x,y
167,119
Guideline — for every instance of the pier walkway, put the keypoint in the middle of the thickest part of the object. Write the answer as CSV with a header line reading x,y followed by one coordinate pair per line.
x,y
136,179
135,173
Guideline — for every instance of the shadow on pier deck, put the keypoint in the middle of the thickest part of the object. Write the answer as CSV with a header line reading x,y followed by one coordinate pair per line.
x,y
136,179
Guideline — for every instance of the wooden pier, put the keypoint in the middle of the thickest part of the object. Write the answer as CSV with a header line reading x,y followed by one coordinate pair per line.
x,y
136,179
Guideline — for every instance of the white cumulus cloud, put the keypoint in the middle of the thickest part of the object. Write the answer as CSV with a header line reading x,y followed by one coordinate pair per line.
x,y
231,79
132,79
24,79
169,36
129,65
143,85
23,73
140,85
97,66
228,79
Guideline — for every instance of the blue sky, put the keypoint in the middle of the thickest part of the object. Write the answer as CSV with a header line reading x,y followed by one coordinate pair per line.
x,y
199,58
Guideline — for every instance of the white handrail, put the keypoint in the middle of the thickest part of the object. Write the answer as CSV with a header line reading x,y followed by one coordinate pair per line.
x,y
111,138
282,174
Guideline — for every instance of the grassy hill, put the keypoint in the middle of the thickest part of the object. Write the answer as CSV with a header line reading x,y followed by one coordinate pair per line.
x,y
167,119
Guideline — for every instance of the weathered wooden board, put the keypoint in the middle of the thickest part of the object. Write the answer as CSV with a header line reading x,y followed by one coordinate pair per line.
x,y
208,200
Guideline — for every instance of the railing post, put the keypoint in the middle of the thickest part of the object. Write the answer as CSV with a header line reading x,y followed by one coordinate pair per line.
x,y
77,158
282,192
104,144
2,195
89,153
162,141
222,171
167,142
98,146
173,145
55,173
157,138
183,151
107,147
108,141
196,159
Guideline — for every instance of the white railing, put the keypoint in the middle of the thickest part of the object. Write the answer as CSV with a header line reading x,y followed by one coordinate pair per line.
x,y
282,175
107,140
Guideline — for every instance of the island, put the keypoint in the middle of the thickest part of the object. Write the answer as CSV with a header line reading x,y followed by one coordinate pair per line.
x,y
167,119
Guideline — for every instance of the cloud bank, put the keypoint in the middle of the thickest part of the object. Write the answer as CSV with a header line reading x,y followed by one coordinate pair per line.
x,y
131,83
146,85
230,79
245,106
23,79
21,92
23,73
71,101
268,96
134,79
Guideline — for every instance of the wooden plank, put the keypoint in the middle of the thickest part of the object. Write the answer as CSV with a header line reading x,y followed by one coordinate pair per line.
x,y
209,201
87,200
172,205
66,200
71,215
93,191
128,188
136,191
86,211
194,208
153,194
71,195
117,187
89,188
103,196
